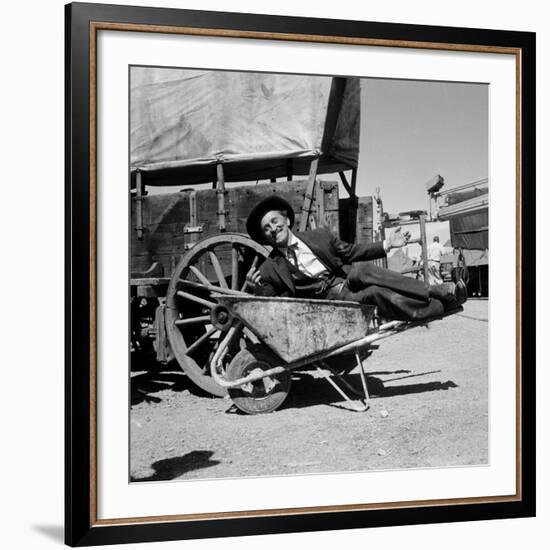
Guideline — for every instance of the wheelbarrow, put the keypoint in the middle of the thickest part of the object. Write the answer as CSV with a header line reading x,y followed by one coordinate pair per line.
x,y
290,334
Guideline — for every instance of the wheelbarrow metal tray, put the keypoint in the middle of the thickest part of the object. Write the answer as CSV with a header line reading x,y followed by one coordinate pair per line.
x,y
295,328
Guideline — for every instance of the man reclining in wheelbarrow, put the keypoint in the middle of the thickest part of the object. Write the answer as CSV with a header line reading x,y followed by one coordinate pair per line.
x,y
310,265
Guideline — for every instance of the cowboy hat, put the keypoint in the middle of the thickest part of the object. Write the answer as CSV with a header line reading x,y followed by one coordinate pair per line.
x,y
260,210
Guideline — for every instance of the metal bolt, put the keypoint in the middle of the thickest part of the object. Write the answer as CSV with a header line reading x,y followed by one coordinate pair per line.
x,y
223,317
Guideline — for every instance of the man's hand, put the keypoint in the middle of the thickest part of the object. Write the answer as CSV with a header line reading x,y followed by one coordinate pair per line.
x,y
397,238
253,278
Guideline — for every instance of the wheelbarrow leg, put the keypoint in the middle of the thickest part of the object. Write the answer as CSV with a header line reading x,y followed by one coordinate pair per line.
x,y
365,400
363,376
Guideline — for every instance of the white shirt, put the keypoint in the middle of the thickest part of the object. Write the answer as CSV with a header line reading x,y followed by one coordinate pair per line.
x,y
435,251
307,262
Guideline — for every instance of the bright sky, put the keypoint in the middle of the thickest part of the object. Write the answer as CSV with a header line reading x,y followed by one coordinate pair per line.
x,y
414,130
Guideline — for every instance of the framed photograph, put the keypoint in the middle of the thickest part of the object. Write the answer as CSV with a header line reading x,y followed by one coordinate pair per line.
x,y
299,274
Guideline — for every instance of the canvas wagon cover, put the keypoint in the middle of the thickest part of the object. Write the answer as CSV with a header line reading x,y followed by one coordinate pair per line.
x,y
196,118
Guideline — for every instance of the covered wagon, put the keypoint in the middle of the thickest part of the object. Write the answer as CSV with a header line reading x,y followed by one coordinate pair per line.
x,y
206,146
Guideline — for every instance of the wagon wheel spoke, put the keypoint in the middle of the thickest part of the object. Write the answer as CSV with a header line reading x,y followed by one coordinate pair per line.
x,y
234,267
210,288
199,275
198,343
195,299
193,320
217,269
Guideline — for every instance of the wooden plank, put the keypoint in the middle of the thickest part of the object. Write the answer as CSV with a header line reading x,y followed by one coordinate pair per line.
x,y
163,348
331,206
364,227
149,281
220,194
167,216
308,195
424,246
193,220
139,206
165,240
243,199
165,208
320,202
168,208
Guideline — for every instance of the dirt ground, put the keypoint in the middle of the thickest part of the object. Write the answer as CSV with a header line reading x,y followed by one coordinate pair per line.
x,y
429,408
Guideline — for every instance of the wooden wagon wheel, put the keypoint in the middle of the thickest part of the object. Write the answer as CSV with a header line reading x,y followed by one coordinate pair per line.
x,y
219,263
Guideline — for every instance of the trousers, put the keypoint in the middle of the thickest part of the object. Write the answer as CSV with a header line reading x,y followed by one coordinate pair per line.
x,y
396,296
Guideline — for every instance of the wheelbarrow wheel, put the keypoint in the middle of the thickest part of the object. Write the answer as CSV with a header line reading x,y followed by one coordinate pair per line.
x,y
264,395
217,262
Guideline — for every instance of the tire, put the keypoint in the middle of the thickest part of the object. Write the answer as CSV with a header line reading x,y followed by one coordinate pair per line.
x,y
265,395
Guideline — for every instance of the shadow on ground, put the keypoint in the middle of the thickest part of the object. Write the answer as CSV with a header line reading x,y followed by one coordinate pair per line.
x,y
172,468
144,385
307,391
417,388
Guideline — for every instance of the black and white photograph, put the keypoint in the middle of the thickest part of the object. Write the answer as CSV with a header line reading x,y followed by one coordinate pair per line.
x,y
309,287
270,275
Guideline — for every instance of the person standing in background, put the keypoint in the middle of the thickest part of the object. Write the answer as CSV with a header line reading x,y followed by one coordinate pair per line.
x,y
435,251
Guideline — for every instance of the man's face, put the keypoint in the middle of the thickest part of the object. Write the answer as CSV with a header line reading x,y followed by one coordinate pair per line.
x,y
275,228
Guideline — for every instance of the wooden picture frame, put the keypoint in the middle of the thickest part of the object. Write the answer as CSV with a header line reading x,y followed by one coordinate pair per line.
x,y
83,23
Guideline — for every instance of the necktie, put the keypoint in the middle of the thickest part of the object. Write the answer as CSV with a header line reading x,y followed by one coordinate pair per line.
x,y
291,256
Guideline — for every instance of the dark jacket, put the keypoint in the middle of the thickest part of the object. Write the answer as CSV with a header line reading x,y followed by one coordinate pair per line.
x,y
331,251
